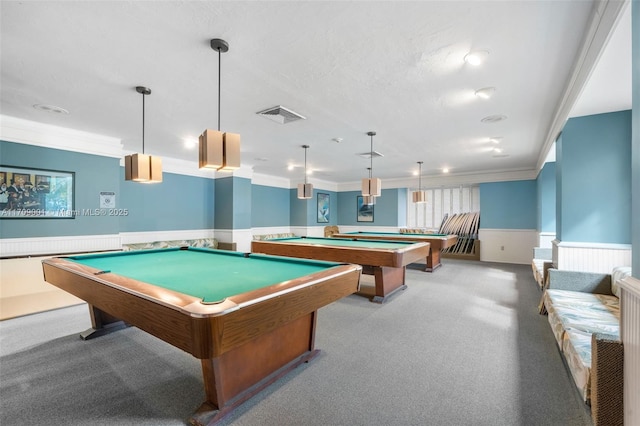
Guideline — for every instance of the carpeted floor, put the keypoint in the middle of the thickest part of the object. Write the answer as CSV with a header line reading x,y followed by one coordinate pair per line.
x,y
461,346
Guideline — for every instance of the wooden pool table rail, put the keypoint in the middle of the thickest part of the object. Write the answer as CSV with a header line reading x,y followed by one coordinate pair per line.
x,y
243,345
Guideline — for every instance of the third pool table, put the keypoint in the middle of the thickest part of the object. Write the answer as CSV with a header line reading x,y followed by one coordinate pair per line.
x,y
438,242
385,260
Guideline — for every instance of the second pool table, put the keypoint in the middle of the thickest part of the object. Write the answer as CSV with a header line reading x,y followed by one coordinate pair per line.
x,y
438,242
248,318
385,260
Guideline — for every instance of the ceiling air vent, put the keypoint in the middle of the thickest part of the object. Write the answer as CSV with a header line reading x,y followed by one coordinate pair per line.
x,y
373,154
281,115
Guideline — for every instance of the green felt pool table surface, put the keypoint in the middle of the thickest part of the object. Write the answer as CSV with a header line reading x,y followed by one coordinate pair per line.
x,y
391,234
334,242
211,275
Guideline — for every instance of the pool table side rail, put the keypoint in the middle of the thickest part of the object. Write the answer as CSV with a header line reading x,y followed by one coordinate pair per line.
x,y
397,258
171,316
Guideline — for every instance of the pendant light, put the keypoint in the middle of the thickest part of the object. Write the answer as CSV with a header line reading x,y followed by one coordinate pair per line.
x,y
305,190
368,200
140,167
419,196
371,186
219,151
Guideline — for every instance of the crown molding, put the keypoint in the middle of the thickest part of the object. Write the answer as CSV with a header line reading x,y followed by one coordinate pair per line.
x,y
46,135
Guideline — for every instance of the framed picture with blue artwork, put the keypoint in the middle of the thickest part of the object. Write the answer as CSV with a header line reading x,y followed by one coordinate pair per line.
x,y
365,211
323,208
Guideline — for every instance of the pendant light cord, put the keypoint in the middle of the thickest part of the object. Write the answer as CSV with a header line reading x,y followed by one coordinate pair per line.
x,y
371,157
219,83
143,95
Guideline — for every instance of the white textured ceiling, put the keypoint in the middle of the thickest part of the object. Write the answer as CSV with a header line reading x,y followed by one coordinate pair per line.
x,y
350,67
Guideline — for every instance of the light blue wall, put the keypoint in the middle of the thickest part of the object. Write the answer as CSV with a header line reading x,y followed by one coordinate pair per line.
x,y
390,209
233,203
269,206
635,48
93,174
593,168
508,205
305,212
178,202
546,185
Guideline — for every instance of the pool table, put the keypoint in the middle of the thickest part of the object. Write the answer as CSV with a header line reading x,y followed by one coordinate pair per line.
x,y
249,318
385,260
438,242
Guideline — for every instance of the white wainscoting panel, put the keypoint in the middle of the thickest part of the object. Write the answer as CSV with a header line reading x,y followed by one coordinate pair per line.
x,y
507,245
590,257
630,335
545,239
13,247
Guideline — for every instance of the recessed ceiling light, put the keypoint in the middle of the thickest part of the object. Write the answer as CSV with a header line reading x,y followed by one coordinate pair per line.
x,y
445,170
291,167
51,108
190,143
476,57
494,118
485,92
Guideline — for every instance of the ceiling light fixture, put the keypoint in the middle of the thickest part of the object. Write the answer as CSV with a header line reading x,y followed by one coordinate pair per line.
x,y
495,139
368,200
419,196
305,190
51,108
494,118
141,167
219,151
476,57
371,186
485,92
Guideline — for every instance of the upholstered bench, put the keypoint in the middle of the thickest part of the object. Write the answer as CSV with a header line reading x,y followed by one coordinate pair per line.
x,y
542,261
584,314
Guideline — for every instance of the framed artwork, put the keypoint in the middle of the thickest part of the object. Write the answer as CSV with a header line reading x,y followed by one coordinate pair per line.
x,y
365,211
36,193
323,208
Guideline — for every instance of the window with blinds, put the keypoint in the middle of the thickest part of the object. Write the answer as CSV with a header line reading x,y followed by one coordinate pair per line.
x,y
441,202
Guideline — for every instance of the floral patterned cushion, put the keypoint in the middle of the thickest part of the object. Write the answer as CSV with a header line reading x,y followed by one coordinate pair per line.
x,y
574,317
577,353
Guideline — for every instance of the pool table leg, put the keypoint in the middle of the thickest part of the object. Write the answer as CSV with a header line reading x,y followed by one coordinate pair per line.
x,y
433,259
388,281
235,376
102,323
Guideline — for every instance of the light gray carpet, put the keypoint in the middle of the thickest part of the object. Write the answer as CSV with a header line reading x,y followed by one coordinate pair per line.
x,y
461,346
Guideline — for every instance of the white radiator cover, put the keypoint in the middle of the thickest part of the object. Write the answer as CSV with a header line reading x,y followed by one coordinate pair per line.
x,y
630,334
590,257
